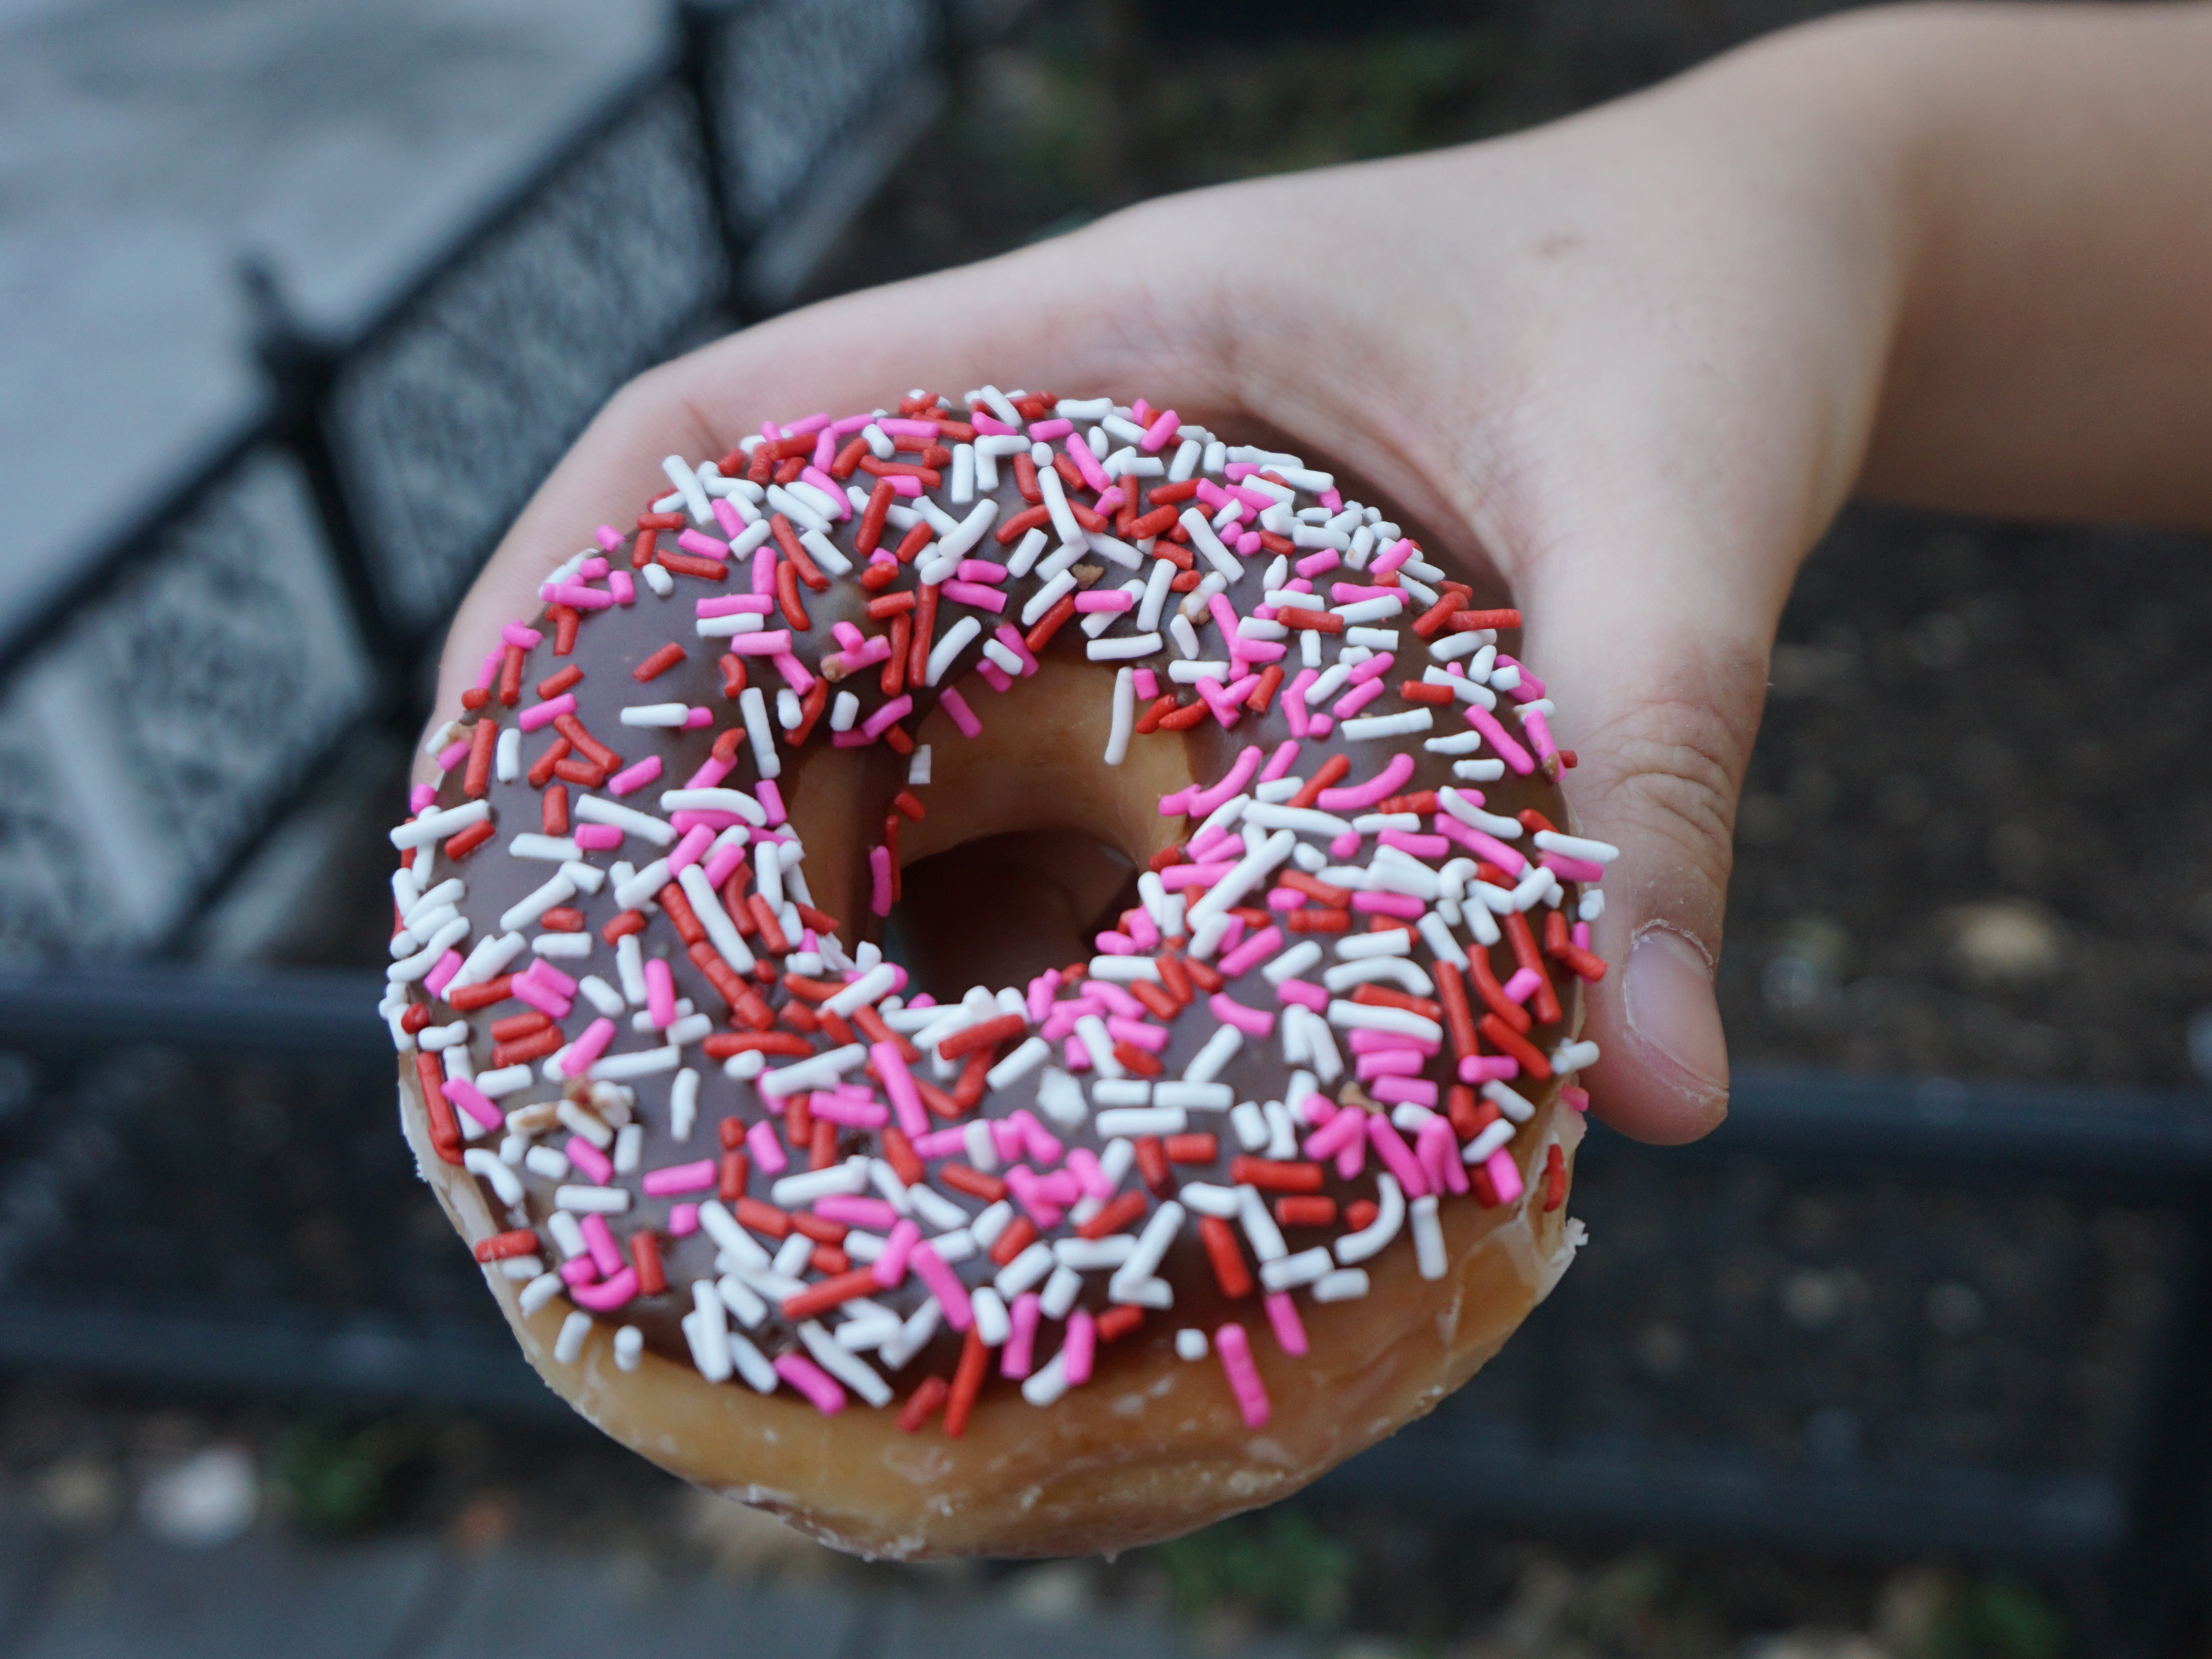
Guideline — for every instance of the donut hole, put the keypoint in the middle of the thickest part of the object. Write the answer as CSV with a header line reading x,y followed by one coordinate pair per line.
x,y
1000,909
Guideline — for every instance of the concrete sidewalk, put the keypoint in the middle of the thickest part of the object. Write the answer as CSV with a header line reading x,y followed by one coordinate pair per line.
x,y
145,146
127,1596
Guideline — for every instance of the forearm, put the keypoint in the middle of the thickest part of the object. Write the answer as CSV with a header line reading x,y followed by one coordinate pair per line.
x,y
2052,351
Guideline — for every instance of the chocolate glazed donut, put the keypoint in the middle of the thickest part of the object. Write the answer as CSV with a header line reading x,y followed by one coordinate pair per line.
x,y
1192,1190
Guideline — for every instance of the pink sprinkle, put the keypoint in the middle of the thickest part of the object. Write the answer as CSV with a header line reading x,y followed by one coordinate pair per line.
x,y
470,1099
623,586
1253,1022
606,1254
544,713
1344,846
1236,1352
1530,688
1283,1314
1087,464
1254,951
830,487
1248,762
634,776
596,837
542,997
659,992
851,1113
703,546
546,974
1305,995
690,849
1294,701
897,427
1043,431
580,596
1390,1062
1505,1175
1483,846
680,1178
1373,669
1077,1348
516,635
1137,1033
794,673
880,874
1388,560
579,1271
1318,564
1421,846
1573,869
453,754
891,1267
762,644
814,423
764,568
980,570
1394,1090
945,1285
682,1220
1011,639
727,516
617,1292
985,599
1014,1360
1489,1068
989,425
1279,765
1389,781
588,1158
899,1082
767,1150
1333,1136
609,538
771,800
1581,935
1439,1149
578,1057
441,976
1159,432
723,862
1112,600
1496,735
421,798
994,676
710,774
735,605
855,1211
1365,1041
1356,699
956,706
821,1389
903,485
1576,1099
889,714
1400,905
1523,985
941,1143
1397,1156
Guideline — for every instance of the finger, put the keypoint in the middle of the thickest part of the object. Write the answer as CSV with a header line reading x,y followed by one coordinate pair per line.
x,y
1656,652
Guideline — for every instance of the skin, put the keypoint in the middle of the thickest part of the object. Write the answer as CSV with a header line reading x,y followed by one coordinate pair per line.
x,y
1624,369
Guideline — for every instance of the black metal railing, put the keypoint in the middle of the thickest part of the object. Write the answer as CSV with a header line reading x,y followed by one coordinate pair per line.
x,y
164,711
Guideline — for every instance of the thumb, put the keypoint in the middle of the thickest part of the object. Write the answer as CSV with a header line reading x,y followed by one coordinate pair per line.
x,y
1658,662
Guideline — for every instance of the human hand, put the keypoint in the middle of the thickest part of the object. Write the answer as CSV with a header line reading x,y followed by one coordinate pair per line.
x,y
1621,370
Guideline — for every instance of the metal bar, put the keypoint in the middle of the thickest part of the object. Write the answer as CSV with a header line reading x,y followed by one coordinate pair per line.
x,y
1496,1472
361,1361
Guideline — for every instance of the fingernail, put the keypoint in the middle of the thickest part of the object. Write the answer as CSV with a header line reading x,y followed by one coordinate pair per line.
x,y
1668,996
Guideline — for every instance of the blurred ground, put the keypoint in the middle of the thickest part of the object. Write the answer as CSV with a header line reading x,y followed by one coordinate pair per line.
x,y
189,1531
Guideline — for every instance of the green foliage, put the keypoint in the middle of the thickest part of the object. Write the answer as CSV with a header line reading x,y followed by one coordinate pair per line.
x,y
1278,1565
1996,1618
343,1479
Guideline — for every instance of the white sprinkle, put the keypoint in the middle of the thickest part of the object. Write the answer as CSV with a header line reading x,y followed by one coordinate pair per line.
x,y
1220,1048
1388,725
1428,1237
1357,1247
758,728
1125,715
577,1325
1134,645
593,1200
631,822
1306,1267
1344,1284
655,714
1135,1120
950,644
